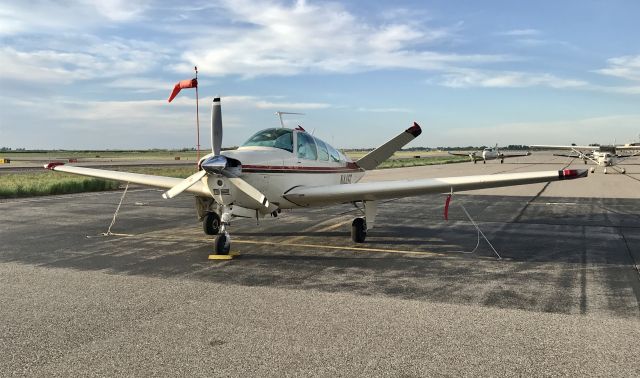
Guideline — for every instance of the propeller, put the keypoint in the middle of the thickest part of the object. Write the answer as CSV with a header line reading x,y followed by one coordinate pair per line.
x,y
216,126
220,165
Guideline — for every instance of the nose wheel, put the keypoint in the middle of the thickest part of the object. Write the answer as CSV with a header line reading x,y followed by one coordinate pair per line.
x,y
222,245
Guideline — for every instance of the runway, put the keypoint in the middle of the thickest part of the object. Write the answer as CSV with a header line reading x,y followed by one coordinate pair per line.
x,y
302,299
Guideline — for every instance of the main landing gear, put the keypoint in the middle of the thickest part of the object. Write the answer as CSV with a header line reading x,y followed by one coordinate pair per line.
x,y
358,230
359,226
211,223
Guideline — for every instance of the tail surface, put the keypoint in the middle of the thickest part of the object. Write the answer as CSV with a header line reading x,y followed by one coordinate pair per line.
x,y
382,153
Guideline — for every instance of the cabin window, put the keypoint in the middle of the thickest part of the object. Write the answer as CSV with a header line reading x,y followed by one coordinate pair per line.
x,y
323,153
278,138
306,147
335,155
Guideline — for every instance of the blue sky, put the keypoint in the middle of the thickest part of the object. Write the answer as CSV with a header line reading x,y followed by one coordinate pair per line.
x,y
92,75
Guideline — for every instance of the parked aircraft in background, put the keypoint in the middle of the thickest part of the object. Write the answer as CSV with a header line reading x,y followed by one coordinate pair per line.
x,y
603,156
282,168
489,153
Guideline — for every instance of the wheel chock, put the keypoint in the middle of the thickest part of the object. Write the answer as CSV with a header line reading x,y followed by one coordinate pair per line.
x,y
230,256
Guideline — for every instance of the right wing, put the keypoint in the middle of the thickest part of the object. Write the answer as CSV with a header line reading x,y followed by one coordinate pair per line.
x,y
198,188
471,155
372,191
554,147
461,153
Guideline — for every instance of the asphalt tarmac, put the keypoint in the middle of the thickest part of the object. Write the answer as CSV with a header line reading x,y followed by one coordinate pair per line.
x,y
303,300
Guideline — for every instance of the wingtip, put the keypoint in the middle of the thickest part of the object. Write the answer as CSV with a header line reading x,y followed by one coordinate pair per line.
x,y
569,174
414,130
52,165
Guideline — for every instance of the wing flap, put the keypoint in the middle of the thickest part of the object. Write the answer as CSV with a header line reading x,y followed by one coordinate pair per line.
x,y
316,195
198,188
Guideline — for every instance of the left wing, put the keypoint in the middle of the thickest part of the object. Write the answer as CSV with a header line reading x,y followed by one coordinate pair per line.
x,y
515,154
198,188
371,191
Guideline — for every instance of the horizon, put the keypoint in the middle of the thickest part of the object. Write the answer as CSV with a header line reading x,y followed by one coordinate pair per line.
x,y
96,76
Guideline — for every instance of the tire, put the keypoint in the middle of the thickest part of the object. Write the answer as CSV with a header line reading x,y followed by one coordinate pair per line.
x,y
501,161
211,223
221,246
358,230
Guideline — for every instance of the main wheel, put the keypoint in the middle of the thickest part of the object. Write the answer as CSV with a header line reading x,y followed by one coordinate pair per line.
x,y
221,245
501,161
623,171
358,230
211,223
484,162
605,171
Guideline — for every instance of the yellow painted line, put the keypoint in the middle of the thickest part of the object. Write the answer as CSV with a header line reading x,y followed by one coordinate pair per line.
x,y
328,228
256,242
359,249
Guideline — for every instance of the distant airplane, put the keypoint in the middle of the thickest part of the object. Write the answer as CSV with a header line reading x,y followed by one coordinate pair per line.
x,y
489,153
603,156
281,168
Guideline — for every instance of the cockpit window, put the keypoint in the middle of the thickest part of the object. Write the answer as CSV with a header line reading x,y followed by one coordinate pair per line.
x,y
278,138
323,153
306,147
334,154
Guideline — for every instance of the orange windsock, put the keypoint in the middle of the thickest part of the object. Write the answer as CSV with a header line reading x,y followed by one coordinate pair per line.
x,y
191,83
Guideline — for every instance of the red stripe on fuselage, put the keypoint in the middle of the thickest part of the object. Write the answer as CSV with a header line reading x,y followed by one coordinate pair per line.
x,y
295,169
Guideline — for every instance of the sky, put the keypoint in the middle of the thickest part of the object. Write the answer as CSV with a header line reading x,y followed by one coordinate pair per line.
x,y
79,74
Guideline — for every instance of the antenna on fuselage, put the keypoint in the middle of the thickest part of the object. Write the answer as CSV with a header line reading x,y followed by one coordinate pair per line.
x,y
279,114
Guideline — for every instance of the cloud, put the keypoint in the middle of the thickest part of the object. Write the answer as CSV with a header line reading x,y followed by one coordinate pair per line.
x,y
506,79
384,110
521,32
275,39
625,67
41,17
98,59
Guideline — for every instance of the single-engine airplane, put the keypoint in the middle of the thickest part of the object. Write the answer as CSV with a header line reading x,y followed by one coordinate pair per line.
x,y
603,156
489,153
282,168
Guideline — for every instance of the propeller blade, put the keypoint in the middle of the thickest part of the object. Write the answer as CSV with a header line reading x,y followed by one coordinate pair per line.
x,y
184,185
216,126
249,190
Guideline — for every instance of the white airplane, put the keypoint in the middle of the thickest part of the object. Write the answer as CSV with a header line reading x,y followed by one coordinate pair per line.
x,y
282,168
489,153
603,156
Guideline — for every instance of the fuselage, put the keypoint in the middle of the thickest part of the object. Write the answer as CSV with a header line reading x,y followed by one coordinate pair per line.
x,y
276,160
604,159
490,154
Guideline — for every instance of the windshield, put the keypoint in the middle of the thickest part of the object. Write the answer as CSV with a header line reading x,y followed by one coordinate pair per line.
x,y
278,138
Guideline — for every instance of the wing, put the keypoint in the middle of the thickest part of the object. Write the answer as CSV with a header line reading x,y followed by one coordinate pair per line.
x,y
371,191
198,188
515,154
467,154
554,147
